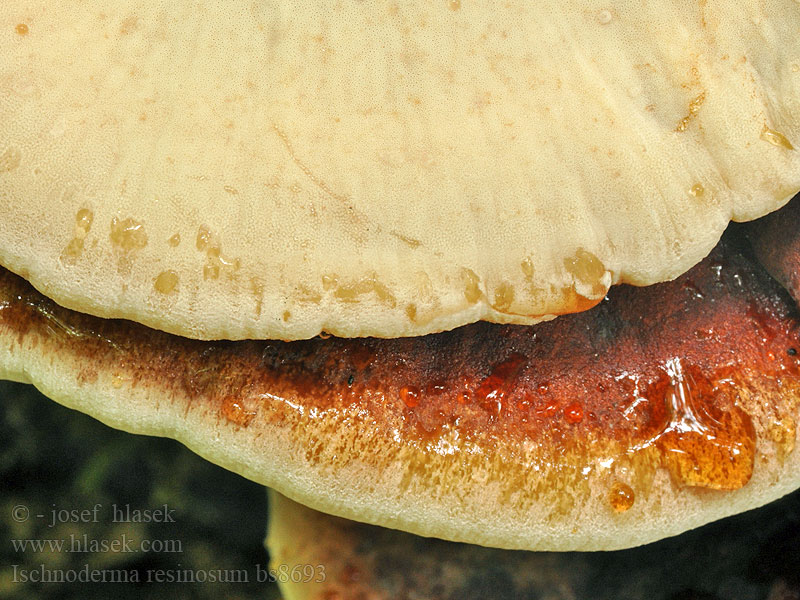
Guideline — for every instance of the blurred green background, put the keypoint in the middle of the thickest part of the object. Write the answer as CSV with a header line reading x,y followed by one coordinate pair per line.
x,y
53,458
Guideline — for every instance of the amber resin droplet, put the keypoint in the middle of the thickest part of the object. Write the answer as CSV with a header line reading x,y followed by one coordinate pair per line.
x,y
235,411
491,393
410,396
621,497
702,444
573,413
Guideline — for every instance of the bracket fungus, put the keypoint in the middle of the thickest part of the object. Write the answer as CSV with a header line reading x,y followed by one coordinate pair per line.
x,y
192,197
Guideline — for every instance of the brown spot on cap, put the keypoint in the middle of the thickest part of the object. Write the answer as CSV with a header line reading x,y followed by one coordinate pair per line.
x,y
10,159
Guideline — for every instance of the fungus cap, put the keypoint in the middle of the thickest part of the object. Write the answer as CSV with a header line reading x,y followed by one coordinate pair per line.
x,y
274,170
660,410
268,171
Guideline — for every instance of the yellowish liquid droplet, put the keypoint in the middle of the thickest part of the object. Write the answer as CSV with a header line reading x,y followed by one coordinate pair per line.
x,y
83,223
698,191
166,282
83,220
455,4
411,311
527,268
175,240
216,263
22,29
588,271
694,108
472,290
352,292
203,238
127,234
776,138
503,296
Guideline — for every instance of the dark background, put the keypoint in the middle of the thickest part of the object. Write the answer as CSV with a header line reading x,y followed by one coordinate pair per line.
x,y
54,457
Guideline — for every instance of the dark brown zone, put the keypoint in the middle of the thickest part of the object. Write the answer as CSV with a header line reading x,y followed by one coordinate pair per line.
x,y
659,367
777,245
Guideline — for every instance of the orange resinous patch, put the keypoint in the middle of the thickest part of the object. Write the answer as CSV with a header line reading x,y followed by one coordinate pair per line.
x,y
668,373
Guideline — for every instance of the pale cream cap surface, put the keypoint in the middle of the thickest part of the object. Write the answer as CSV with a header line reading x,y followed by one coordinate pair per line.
x,y
274,169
